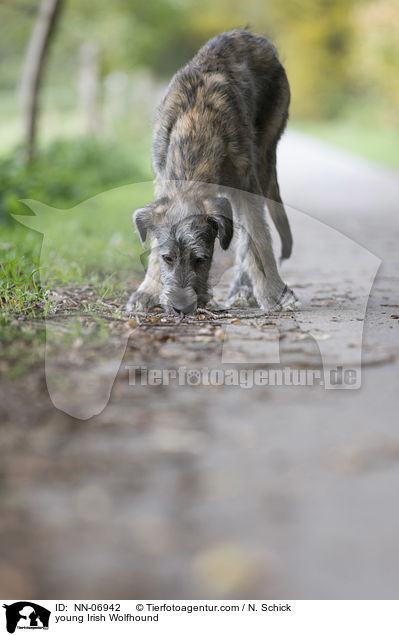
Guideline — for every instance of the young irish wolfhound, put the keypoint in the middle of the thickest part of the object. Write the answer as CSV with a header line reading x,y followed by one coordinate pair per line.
x,y
214,155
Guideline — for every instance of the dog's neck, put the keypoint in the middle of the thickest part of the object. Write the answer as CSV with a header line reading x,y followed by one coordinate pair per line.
x,y
185,189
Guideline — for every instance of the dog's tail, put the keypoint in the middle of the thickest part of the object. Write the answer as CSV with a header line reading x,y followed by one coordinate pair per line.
x,y
280,220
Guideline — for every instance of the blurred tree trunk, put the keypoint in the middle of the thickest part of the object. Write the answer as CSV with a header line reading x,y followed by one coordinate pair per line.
x,y
42,33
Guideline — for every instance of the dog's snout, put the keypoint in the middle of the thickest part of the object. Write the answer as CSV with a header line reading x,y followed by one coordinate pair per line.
x,y
184,301
185,309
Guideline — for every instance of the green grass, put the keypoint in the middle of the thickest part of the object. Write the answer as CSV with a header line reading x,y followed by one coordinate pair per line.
x,y
85,257
373,142
78,242
88,239
92,244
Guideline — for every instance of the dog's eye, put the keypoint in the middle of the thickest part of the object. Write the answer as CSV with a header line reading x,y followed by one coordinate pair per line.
x,y
169,260
200,260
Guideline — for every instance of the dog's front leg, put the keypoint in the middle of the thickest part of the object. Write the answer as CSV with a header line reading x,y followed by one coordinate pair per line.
x,y
241,292
257,256
147,295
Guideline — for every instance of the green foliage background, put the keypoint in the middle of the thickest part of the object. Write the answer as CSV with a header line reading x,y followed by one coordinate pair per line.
x,y
339,53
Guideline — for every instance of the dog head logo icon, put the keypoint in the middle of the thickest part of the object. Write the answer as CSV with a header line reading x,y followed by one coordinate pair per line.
x,y
26,615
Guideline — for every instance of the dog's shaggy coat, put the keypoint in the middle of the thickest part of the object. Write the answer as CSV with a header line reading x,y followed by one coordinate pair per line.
x,y
214,149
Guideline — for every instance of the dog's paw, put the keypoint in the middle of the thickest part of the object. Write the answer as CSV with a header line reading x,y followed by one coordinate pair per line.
x,y
288,301
141,300
242,297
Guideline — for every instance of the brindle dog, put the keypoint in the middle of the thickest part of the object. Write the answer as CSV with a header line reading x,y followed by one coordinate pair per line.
x,y
214,155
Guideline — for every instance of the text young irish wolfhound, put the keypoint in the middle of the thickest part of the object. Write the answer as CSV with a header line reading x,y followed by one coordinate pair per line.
x,y
214,155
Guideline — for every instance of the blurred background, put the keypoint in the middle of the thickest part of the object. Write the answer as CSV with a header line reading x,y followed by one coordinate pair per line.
x,y
106,65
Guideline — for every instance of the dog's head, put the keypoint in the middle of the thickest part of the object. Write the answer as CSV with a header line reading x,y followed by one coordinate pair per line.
x,y
185,229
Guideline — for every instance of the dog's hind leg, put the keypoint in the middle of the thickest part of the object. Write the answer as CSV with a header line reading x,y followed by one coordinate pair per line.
x,y
272,115
148,294
277,210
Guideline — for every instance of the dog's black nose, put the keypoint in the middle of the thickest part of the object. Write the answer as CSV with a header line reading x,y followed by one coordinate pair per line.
x,y
185,309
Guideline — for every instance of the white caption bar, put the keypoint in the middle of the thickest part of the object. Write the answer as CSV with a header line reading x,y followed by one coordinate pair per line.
x,y
155,617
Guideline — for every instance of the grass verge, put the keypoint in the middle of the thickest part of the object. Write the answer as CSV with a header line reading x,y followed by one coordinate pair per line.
x,y
66,250
376,143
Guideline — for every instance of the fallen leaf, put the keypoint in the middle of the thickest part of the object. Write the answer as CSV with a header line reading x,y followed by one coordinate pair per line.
x,y
320,336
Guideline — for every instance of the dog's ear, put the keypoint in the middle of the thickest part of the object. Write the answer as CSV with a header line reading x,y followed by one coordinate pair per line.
x,y
144,219
220,216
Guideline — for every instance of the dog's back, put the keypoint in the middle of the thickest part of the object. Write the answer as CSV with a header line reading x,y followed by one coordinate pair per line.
x,y
216,105
222,117
235,51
